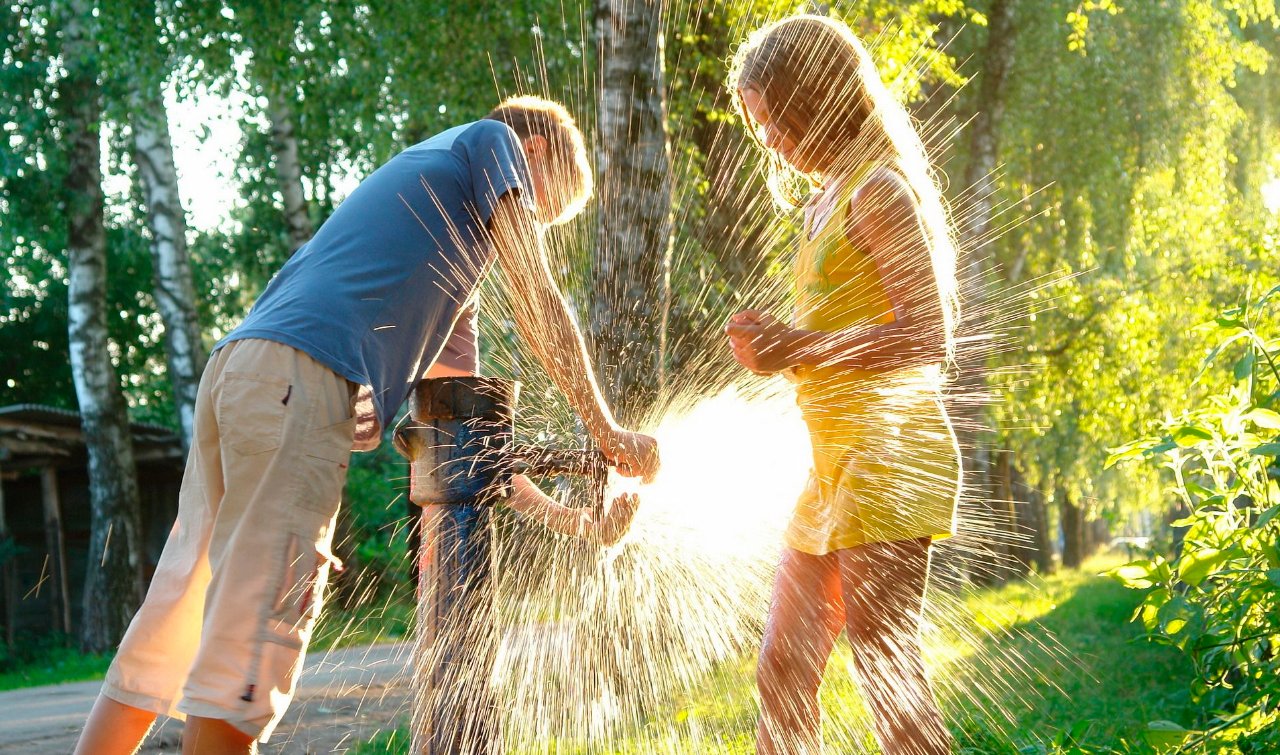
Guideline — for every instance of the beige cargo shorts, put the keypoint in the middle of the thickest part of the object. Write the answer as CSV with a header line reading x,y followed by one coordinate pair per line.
x,y
236,594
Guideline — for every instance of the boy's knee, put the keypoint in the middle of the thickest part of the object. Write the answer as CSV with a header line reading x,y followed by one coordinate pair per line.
x,y
211,735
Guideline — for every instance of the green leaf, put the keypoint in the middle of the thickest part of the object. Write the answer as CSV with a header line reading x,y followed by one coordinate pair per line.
x,y
1129,450
1213,354
1195,565
1266,449
1263,418
1271,551
1244,365
1175,615
1267,296
1136,574
1165,735
1190,435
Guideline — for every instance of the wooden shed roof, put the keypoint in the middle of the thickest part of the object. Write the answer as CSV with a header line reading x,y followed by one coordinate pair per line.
x,y
35,435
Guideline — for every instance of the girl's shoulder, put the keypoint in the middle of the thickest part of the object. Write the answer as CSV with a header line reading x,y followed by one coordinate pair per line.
x,y
881,203
879,184
836,205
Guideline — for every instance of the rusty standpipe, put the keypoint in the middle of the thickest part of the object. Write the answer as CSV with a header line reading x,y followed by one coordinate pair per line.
x,y
460,445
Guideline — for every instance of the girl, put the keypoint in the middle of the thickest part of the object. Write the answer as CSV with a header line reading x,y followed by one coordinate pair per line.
x,y
875,308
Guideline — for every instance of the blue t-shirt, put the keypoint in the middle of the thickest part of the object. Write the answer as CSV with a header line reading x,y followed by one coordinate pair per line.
x,y
375,294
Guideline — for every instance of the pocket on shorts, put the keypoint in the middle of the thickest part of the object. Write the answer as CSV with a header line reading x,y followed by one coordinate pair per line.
x,y
250,410
299,595
325,458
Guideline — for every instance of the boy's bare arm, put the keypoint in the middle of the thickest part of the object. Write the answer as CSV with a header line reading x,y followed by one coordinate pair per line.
x,y
582,523
543,321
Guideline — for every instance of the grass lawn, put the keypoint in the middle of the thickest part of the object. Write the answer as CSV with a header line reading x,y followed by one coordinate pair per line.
x,y
35,662
1050,665
1097,679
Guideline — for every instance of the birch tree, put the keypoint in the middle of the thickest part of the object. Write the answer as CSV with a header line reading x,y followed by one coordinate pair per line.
x,y
173,290
270,31
113,584
142,61
633,167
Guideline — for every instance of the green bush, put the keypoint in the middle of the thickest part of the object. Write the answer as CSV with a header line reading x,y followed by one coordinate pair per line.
x,y
1218,597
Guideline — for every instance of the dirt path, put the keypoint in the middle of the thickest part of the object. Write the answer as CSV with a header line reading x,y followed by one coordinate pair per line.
x,y
344,698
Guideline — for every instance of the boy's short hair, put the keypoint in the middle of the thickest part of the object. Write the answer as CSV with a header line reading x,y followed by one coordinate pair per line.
x,y
534,116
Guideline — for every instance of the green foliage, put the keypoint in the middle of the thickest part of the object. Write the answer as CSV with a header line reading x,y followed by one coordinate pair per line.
x,y
1218,598
47,658
378,515
1134,167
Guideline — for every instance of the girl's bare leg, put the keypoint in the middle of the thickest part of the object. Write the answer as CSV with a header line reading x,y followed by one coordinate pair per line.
x,y
805,617
883,586
114,728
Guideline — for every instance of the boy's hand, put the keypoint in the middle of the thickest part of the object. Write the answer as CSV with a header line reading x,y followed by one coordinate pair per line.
x,y
634,454
759,341
617,520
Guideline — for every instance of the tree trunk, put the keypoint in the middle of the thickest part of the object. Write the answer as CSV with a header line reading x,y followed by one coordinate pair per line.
x,y
284,143
60,597
1018,546
1097,534
1072,530
633,166
171,266
8,579
113,584
1033,522
975,436
984,129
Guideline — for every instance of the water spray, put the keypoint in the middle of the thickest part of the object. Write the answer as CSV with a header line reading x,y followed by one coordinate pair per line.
x,y
463,455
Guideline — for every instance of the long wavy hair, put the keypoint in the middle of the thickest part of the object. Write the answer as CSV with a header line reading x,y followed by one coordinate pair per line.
x,y
823,88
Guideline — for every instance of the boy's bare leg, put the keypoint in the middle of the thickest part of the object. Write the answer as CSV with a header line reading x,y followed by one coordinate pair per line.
x,y
805,618
884,586
210,736
114,728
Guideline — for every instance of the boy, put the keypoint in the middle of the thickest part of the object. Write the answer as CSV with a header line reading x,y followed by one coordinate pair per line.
x,y
328,354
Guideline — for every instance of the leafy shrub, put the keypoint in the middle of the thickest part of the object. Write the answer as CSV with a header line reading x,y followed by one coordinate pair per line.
x,y
1218,597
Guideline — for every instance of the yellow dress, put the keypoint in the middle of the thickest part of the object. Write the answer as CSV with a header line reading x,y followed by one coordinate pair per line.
x,y
885,460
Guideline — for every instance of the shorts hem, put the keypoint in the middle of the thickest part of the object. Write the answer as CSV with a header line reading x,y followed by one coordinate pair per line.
x,y
258,728
838,545
142,701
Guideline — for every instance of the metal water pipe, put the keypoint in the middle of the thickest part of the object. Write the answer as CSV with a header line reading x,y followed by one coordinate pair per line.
x,y
460,445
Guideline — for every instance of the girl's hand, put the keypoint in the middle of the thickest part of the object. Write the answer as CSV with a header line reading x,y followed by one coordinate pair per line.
x,y
759,341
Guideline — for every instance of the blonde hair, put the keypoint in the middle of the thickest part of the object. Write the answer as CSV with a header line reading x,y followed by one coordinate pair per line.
x,y
534,116
821,83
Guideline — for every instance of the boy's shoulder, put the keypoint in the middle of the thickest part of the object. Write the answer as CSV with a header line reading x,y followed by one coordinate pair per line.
x,y
476,132
487,134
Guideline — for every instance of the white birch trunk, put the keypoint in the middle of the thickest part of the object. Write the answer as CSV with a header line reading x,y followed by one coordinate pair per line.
x,y
172,284
633,162
284,143
113,584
